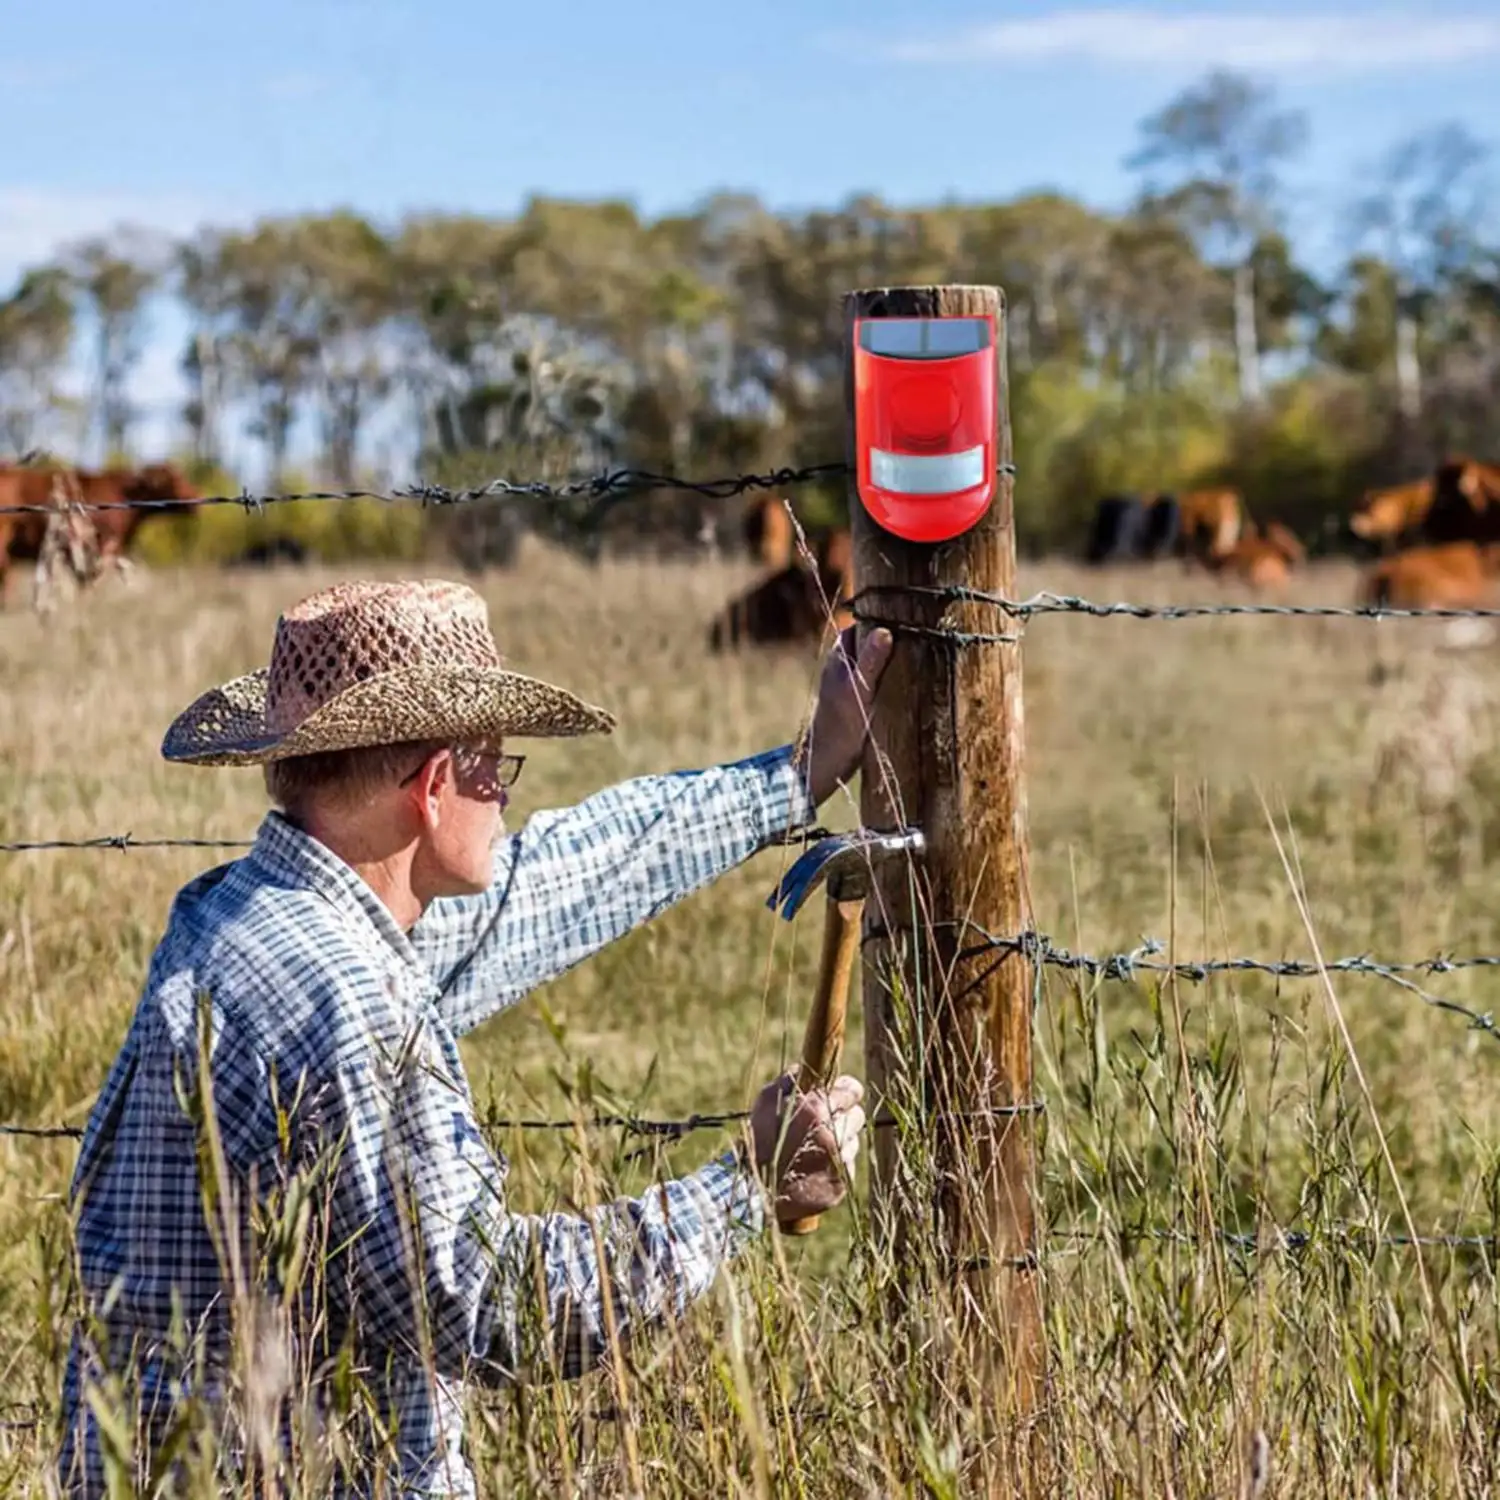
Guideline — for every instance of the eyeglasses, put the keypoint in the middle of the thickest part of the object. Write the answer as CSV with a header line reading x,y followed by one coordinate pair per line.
x,y
507,767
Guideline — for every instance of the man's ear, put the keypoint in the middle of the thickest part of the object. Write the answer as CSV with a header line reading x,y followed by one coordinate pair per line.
x,y
427,788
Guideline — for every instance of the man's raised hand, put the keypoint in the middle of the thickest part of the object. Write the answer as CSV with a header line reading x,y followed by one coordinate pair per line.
x,y
836,740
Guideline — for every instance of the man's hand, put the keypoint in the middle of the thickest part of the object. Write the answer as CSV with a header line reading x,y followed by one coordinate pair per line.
x,y
836,739
806,1145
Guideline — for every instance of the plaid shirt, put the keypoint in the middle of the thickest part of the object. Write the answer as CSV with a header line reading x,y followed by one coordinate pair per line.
x,y
328,1023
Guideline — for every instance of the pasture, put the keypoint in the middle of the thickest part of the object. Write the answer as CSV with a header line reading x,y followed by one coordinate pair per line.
x,y
1230,786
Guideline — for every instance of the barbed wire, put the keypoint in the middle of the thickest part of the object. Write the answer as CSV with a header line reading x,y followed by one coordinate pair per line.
x,y
1275,1237
123,841
1048,603
630,1124
609,487
128,841
1040,950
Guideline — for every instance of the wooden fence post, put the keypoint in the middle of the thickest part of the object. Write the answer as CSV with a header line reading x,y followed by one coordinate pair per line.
x,y
946,755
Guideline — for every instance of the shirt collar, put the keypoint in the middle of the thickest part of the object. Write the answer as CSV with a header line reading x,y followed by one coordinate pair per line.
x,y
294,857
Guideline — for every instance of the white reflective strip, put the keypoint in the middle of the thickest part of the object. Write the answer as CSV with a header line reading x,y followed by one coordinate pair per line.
x,y
926,473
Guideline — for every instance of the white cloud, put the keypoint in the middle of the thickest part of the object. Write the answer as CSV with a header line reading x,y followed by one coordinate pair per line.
x,y
1128,36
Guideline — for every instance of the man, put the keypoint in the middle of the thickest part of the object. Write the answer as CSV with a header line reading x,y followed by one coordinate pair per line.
x,y
294,1049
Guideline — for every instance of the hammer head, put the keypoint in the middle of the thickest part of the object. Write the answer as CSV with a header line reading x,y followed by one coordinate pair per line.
x,y
846,862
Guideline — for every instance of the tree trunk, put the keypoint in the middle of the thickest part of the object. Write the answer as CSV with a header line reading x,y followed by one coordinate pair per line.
x,y
1408,364
1020,334
1246,342
202,369
343,408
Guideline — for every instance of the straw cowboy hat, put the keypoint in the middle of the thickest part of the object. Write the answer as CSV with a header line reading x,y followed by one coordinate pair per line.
x,y
369,663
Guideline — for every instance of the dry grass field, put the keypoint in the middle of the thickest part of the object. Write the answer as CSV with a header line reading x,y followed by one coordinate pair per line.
x,y
1229,786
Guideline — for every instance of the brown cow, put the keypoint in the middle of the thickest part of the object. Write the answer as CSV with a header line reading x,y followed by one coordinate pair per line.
x,y
1458,502
835,552
792,605
1457,575
767,530
771,536
1263,560
22,534
1209,523
1465,502
1394,511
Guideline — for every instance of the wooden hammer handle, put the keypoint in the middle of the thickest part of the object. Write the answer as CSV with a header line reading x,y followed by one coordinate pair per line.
x,y
823,1040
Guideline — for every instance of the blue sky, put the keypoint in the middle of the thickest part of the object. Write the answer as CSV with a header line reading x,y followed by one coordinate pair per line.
x,y
172,115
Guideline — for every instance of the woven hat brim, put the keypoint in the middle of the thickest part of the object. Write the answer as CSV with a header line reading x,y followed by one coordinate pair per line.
x,y
227,725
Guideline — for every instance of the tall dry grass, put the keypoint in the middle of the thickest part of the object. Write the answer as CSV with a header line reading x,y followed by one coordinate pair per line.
x,y
1271,787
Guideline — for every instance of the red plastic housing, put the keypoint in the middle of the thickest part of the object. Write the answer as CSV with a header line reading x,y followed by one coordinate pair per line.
x,y
925,423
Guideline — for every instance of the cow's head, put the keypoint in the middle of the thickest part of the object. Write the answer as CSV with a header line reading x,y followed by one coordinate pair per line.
x,y
835,551
1476,482
1385,513
1285,544
161,483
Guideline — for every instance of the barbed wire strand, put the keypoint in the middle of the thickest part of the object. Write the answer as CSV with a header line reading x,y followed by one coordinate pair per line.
x,y
631,1124
1047,603
124,841
609,486
128,841
1274,1237
1040,950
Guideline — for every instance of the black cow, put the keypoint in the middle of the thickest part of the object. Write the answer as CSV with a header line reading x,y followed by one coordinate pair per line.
x,y
270,553
1163,523
1129,529
1119,526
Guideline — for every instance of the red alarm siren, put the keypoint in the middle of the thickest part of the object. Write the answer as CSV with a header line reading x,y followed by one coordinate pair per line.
x,y
925,421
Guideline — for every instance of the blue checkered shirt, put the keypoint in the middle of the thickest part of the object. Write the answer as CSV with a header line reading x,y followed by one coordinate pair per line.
x,y
325,1025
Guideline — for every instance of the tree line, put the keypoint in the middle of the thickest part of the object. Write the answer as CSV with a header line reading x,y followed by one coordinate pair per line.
x,y
1176,343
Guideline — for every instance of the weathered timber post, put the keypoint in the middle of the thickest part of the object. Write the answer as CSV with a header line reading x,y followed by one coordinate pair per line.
x,y
946,754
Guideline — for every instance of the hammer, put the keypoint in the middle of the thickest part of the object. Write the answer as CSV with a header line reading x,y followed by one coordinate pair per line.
x,y
844,864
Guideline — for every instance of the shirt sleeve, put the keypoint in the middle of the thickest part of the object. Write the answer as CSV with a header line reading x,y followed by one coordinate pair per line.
x,y
574,879
661,1251
433,1266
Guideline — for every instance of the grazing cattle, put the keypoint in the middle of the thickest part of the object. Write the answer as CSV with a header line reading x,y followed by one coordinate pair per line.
x,y
23,534
1465,502
771,536
1384,515
1456,575
790,606
1458,502
768,533
1262,560
270,553
1119,530
1209,523
1163,526
1129,529
835,553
